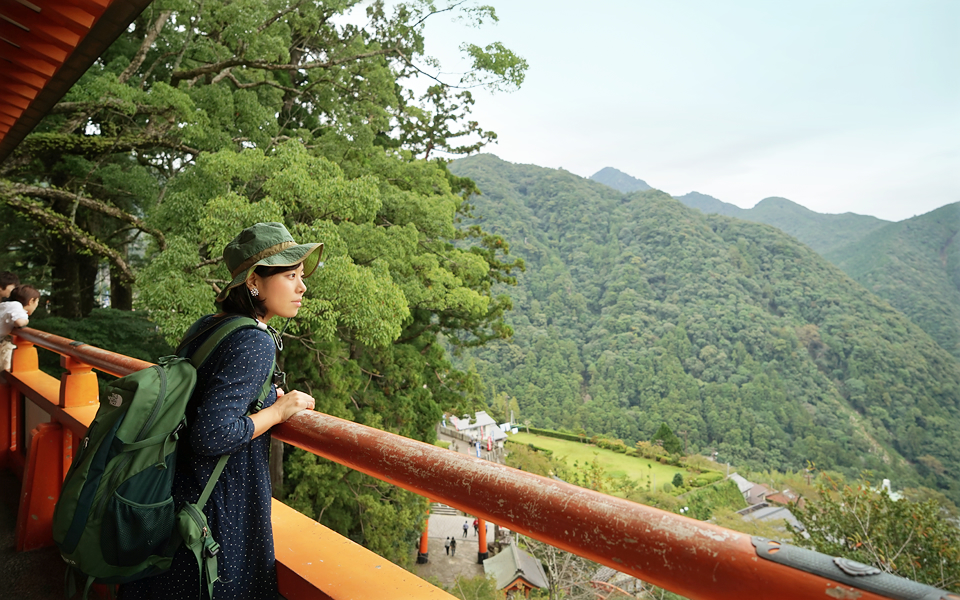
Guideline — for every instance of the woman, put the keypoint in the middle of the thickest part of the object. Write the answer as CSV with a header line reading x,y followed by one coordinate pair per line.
x,y
268,269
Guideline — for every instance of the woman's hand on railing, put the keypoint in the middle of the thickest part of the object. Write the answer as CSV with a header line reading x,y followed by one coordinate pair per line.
x,y
287,405
293,402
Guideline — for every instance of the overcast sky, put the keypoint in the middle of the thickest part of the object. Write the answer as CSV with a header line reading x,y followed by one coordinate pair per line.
x,y
840,105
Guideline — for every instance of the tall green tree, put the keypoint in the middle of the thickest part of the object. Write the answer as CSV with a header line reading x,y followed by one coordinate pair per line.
x,y
195,77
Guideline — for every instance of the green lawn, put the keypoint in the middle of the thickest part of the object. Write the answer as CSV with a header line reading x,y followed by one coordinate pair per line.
x,y
614,463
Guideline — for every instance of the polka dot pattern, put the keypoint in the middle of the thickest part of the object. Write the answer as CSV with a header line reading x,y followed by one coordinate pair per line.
x,y
238,511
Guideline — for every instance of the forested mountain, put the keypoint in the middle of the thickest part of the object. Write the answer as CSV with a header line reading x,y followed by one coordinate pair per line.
x,y
619,180
914,265
711,206
822,232
635,310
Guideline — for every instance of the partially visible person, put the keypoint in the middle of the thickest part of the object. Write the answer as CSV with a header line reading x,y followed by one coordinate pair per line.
x,y
8,281
15,313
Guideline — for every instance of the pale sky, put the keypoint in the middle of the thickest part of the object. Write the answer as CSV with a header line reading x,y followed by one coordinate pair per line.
x,y
840,105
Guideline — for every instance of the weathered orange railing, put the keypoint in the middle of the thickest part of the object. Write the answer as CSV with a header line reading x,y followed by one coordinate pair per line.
x,y
690,557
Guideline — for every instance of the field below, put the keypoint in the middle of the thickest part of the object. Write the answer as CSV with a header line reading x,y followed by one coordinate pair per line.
x,y
613,463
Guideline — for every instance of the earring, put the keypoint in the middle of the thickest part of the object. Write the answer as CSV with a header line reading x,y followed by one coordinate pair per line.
x,y
254,292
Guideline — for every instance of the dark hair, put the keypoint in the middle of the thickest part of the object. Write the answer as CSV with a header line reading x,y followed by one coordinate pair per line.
x,y
24,294
240,302
6,278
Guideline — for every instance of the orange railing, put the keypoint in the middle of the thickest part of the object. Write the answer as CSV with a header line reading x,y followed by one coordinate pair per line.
x,y
692,558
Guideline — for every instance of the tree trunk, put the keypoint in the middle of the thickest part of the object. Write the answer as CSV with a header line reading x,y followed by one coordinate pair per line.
x,y
65,298
121,294
87,268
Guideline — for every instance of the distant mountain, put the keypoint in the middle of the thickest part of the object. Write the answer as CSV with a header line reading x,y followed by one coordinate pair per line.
x,y
620,181
709,205
915,266
822,232
635,310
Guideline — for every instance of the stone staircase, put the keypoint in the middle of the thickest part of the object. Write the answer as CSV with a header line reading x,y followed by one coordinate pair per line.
x,y
437,508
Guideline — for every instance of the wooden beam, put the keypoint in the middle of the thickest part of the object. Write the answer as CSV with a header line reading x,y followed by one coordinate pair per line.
x,y
31,44
26,78
31,63
23,91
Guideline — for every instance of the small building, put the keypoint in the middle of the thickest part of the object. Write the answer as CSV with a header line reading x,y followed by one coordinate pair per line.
x,y
481,429
767,512
758,493
742,484
516,571
787,497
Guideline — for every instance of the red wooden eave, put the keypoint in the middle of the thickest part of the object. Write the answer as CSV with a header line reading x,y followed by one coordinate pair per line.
x,y
45,47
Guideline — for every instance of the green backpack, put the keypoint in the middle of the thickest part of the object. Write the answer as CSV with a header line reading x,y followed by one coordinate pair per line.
x,y
115,520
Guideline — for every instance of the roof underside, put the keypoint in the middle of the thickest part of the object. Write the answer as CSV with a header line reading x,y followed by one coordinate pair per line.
x,y
44,49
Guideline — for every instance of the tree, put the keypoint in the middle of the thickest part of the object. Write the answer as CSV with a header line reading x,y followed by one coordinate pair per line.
x,y
671,443
198,76
909,539
678,480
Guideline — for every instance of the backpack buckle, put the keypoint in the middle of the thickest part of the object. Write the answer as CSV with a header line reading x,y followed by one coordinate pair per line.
x,y
210,548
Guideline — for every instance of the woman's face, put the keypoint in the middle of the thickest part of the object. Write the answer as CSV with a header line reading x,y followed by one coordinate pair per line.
x,y
281,294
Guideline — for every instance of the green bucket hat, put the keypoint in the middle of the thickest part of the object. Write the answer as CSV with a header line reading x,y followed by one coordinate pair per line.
x,y
267,244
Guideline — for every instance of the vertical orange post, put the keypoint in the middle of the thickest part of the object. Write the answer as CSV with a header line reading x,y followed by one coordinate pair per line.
x,y
78,387
482,553
42,480
67,445
15,401
424,552
5,393
24,359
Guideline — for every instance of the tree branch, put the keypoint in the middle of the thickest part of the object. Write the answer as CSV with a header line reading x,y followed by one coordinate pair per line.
x,y
148,41
279,16
264,65
55,194
64,228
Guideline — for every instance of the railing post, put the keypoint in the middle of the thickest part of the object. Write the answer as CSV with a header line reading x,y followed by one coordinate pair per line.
x,y
24,356
42,480
423,555
482,553
24,359
6,392
79,386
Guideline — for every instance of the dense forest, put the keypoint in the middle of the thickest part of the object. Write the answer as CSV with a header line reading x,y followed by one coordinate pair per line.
x,y
915,266
635,310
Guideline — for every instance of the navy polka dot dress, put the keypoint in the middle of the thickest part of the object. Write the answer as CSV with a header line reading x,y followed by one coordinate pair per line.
x,y
238,511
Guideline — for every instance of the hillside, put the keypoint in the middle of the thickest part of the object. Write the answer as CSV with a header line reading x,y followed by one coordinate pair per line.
x,y
636,310
914,265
